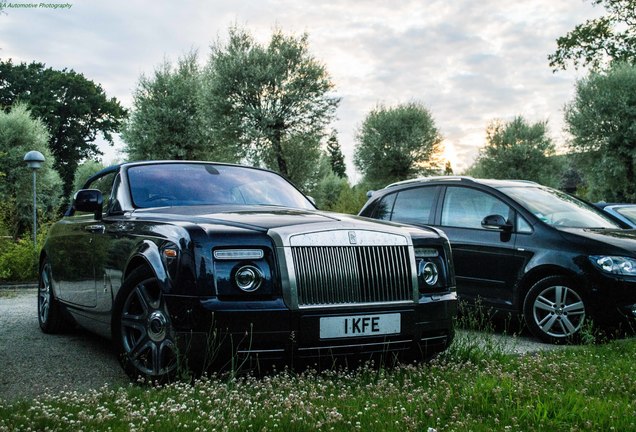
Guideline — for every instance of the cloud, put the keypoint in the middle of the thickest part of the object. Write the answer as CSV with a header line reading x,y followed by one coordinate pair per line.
x,y
468,62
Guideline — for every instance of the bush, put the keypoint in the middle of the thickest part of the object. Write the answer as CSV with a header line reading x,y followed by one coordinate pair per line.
x,y
19,260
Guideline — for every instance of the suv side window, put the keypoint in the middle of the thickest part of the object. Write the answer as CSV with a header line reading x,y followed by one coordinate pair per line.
x,y
384,209
414,205
466,207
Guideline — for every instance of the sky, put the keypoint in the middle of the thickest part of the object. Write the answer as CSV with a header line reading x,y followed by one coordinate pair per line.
x,y
469,62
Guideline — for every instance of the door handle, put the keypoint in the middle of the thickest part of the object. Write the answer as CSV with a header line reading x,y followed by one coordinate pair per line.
x,y
95,228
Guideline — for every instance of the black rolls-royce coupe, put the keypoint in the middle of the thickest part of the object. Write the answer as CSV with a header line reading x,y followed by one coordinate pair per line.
x,y
217,266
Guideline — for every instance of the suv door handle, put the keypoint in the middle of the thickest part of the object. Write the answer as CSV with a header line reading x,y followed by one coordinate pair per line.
x,y
95,228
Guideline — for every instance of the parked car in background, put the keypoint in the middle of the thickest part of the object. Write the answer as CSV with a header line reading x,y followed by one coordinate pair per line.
x,y
625,213
224,265
524,249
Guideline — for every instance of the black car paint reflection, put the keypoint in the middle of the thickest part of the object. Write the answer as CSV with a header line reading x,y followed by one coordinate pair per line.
x,y
191,264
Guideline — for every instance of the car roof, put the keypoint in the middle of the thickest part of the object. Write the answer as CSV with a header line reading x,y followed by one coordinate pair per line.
x,y
464,180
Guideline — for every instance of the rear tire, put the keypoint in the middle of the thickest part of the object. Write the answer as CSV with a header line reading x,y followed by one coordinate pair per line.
x,y
554,310
142,331
50,314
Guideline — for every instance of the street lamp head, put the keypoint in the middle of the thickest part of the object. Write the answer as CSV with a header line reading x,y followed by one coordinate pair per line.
x,y
34,159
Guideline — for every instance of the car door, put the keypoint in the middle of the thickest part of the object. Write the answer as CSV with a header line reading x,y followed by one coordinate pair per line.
x,y
72,260
486,263
85,249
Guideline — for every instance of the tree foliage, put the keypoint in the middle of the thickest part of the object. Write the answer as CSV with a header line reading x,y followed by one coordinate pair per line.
x,y
397,143
448,169
19,134
84,171
74,109
611,37
166,121
336,158
518,150
602,121
268,104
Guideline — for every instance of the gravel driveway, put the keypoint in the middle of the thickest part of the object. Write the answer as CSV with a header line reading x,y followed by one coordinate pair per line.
x,y
33,363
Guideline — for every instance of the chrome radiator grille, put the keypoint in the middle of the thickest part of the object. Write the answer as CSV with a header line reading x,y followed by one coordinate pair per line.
x,y
340,275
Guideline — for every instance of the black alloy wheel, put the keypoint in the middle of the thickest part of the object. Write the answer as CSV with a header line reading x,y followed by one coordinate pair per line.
x,y
50,316
554,310
142,331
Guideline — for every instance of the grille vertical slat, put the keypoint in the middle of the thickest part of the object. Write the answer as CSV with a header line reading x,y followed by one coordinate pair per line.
x,y
340,275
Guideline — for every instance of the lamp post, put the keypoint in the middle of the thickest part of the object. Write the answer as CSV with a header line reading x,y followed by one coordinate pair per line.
x,y
34,160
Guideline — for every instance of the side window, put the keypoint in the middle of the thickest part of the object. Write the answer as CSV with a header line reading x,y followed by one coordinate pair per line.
x,y
466,208
522,225
105,185
384,208
414,205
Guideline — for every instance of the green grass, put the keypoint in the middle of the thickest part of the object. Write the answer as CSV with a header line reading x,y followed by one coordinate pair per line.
x,y
573,389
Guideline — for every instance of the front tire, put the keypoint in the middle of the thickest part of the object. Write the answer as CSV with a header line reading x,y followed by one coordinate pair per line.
x,y
142,331
50,315
554,310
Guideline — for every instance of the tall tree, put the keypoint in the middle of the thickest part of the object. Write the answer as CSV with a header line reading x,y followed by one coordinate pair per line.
x,y
19,134
165,122
74,109
602,119
265,101
397,143
611,37
336,158
518,150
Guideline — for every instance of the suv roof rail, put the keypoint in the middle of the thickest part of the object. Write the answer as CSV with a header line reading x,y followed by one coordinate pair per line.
x,y
432,178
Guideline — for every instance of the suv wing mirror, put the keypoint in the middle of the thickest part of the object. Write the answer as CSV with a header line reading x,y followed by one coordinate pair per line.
x,y
496,222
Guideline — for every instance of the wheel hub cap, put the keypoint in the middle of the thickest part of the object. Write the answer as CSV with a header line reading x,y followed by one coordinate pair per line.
x,y
156,326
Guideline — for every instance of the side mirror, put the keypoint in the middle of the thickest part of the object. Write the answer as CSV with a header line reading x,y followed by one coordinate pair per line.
x,y
496,222
89,201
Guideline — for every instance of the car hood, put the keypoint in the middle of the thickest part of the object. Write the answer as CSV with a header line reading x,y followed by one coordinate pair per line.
x,y
621,238
258,218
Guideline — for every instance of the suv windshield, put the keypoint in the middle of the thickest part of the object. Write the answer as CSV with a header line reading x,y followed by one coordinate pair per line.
x,y
186,184
558,209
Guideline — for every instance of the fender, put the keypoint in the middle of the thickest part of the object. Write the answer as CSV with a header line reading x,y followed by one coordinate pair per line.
x,y
148,252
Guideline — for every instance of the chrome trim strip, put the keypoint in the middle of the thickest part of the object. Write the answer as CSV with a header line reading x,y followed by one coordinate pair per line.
x,y
358,304
357,345
264,351
433,338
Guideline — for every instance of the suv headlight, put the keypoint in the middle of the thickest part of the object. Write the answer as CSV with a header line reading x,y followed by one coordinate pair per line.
x,y
615,264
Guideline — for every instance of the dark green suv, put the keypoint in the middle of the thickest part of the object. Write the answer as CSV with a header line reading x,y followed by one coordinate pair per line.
x,y
523,248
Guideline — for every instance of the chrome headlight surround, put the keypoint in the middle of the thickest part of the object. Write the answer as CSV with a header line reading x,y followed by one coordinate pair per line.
x,y
430,269
428,272
242,271
617,265
248,278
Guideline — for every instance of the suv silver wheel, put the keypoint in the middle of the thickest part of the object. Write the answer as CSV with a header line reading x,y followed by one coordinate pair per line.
x,y
554,310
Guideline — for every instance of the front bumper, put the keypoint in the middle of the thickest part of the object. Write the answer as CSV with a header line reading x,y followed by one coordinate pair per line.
x,y
612,299
227,334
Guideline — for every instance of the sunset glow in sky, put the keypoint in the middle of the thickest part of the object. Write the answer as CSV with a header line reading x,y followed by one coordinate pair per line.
x,y
468,62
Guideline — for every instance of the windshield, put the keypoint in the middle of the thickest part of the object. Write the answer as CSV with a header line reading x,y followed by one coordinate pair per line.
x,y
187,184
558,209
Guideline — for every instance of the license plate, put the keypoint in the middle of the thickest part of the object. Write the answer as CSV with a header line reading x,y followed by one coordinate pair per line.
x,y
359,325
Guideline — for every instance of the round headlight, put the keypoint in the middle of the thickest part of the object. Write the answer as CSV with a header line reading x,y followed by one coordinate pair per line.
x,y
428,271
248,278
